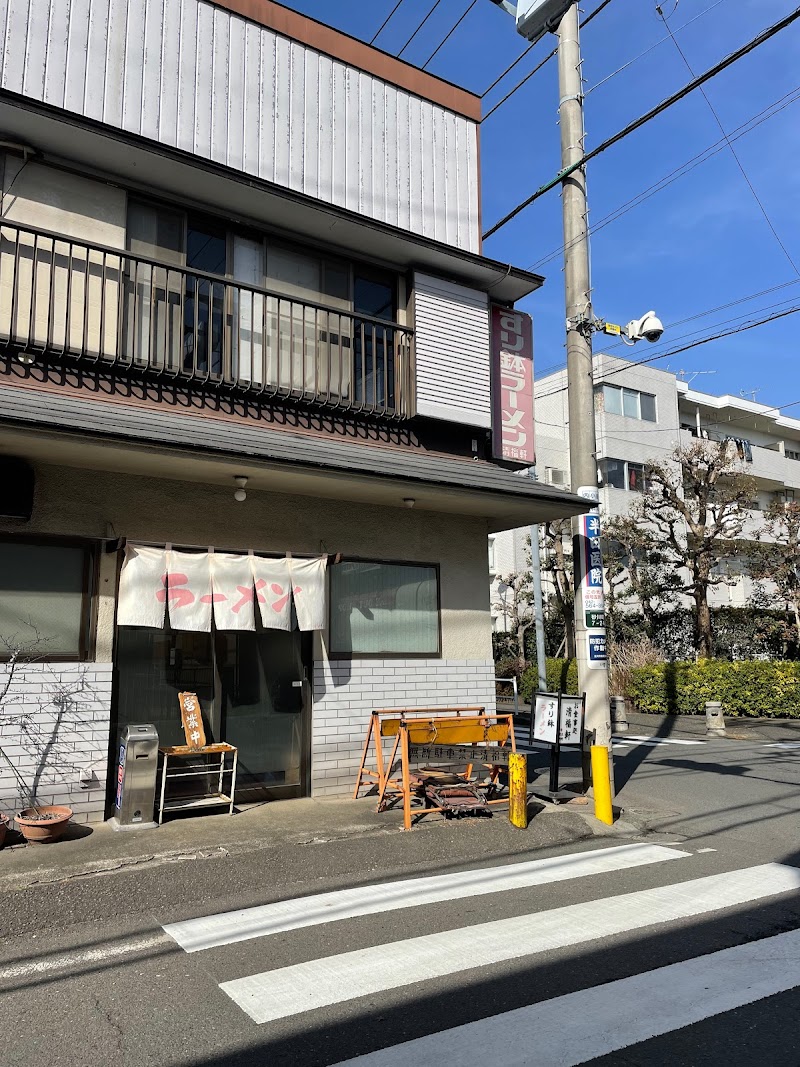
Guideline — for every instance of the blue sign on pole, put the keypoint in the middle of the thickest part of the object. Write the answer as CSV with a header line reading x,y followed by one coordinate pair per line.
x,y
597,648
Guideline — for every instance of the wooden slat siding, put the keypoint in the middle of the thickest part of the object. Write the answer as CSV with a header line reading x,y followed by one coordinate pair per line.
x,y
46,409
452,351
211,82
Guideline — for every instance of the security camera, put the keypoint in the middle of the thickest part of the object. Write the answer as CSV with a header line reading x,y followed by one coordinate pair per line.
x,y
649,327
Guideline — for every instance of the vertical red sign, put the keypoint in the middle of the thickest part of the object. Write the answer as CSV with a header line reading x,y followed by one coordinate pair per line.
x,y
512,386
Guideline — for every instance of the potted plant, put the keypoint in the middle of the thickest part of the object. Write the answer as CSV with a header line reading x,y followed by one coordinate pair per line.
x,y
39,721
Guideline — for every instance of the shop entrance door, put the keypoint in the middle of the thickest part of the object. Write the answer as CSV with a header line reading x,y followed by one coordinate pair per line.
x,y
252,689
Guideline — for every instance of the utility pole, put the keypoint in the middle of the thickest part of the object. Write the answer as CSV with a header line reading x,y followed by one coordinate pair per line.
x,y
538,604
590,642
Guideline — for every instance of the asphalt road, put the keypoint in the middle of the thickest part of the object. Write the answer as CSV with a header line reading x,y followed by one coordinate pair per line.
x,y
672,944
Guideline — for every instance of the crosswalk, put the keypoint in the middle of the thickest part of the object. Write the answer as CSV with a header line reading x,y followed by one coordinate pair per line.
x,y
678,994
524,743
629,741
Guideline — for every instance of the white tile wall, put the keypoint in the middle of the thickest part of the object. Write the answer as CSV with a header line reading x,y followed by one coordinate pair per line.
x,y
58,747
346,691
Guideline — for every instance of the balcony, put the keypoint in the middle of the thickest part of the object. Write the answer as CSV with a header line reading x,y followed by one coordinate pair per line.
x,y
100,307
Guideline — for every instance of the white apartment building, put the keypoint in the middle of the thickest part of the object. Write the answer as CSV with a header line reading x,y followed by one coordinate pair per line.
x,y
641,414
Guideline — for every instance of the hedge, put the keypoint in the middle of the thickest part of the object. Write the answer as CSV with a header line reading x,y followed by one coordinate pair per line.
x,y
747,687
561,674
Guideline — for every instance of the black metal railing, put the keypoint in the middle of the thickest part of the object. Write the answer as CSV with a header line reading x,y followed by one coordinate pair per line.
x,y
99,305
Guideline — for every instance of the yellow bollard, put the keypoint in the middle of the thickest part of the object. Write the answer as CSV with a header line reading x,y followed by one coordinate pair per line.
x,y
601,783
518,790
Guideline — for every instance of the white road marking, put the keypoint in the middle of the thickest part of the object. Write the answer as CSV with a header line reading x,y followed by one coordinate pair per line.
x,y
319,983
783,744
211,931
73,960
629,739
581,1026
701,850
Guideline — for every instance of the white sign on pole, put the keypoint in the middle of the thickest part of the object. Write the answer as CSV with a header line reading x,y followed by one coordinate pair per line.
x,y
545,716
571,720
545,712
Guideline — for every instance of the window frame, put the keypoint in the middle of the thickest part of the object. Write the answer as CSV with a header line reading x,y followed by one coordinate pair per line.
x,y
622,391
352,655
90,575
625,463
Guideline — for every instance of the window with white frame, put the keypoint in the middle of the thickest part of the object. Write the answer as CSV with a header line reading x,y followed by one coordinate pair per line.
x,y
384,609
492,565
623,474
629,402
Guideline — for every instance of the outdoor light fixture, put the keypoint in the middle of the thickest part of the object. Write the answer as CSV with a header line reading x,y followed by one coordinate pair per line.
x,y
241,482
409,501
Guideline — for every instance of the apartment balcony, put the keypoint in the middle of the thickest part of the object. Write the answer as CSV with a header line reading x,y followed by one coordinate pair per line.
x,y
96,307
768,466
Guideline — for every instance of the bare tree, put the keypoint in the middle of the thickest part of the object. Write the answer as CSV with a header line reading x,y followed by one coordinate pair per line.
x,y
514,604
557,566
775,559
638,572
697,506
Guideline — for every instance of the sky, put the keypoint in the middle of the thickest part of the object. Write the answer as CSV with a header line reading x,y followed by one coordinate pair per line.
x,y
700,242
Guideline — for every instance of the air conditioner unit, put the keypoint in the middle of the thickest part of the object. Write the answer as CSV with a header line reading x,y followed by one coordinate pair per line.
x,y
555,476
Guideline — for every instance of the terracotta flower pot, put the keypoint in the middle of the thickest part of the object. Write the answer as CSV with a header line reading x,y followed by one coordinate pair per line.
x,y
3,828
43,830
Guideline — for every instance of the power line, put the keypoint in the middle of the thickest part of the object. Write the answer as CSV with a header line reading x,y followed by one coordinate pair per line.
x,y
764,36
448,35
416,31
729,143
685,168
652,47
609,350
508,70
386,21
538,67
519,85
683,348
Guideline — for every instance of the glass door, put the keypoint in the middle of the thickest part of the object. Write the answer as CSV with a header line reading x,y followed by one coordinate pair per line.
x,y
262,696
252,690
374,295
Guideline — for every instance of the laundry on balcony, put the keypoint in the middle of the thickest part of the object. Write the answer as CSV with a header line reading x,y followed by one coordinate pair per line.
x,y
744,448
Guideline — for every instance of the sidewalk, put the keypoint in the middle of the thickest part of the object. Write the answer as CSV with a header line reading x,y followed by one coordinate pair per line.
x,y
91,851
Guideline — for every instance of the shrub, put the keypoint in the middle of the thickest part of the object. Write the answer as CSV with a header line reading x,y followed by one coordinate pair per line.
x,y
746,687
561,674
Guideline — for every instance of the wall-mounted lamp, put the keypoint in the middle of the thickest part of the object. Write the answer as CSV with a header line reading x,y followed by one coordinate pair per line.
x,y
409,501
241,482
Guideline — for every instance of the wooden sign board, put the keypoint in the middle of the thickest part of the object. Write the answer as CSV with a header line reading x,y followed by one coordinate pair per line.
x,y
192,719
448,731
494,756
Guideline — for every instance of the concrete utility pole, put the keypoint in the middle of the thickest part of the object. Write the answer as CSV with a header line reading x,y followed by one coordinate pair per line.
x,y
538,603
592,673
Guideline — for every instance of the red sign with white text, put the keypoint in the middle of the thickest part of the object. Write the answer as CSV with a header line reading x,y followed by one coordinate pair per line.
x,y
512,386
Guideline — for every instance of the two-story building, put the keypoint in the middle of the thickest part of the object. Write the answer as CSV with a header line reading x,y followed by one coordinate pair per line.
x,y
245,391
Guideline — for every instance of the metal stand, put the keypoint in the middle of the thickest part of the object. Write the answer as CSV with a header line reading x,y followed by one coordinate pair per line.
x,y
203,800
